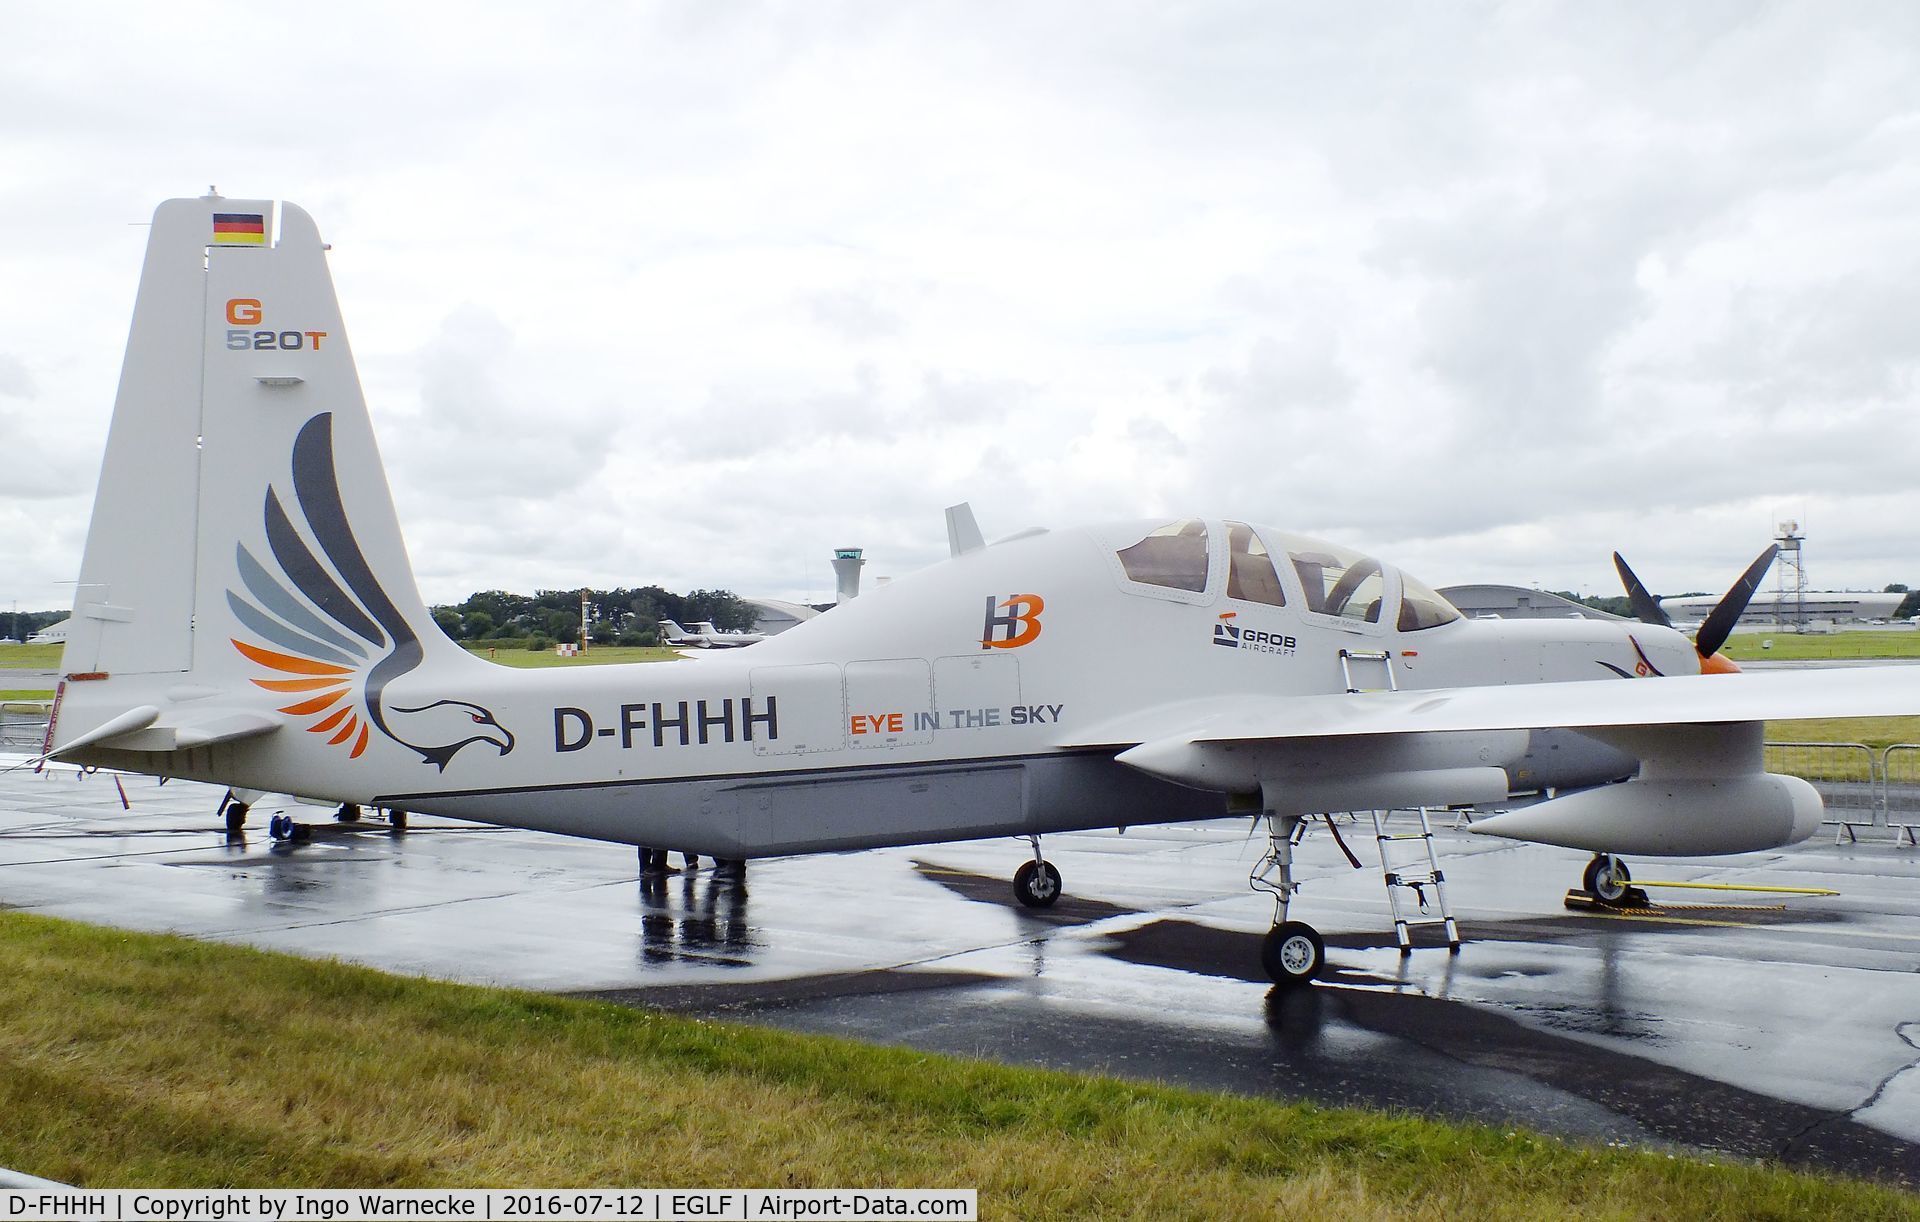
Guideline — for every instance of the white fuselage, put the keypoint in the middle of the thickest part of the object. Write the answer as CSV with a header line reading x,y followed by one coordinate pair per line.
x,y
889,721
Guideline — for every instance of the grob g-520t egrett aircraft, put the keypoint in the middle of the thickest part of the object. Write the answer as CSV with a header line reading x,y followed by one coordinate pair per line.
x,y
246,615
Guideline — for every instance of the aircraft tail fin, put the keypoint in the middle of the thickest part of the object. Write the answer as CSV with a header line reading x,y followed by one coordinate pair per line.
x,y
243,524
673,630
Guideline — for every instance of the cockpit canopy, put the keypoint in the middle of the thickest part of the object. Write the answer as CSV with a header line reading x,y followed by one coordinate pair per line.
x,y
1189,559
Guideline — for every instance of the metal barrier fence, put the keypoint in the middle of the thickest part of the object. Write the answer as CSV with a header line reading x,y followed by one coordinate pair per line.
x,y
1861,789
1846,775
23,726
1900,790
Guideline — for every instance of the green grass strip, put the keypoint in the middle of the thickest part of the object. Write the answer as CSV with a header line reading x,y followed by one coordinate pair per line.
x,y
598,655
30,657
1780,646
144,1060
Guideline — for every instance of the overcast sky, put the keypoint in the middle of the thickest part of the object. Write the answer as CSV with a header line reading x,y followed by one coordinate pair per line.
x,y
692,293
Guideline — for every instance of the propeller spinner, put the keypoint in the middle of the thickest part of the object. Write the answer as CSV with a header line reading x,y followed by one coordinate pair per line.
x,y
1719,623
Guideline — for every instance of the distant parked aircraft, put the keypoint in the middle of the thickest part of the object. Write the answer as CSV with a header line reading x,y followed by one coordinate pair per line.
x,y
705,636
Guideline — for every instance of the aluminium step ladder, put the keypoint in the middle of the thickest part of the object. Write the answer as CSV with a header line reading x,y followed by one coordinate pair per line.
x,y
1411,878
1382,658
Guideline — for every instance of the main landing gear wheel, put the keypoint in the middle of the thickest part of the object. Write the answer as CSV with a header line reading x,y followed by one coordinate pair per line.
x,y
1608,880
396,821
283,828
1293,953
349,812
1036,884
236,817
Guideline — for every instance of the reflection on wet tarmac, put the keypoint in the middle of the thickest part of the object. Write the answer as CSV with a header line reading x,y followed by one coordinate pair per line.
x,y
697,917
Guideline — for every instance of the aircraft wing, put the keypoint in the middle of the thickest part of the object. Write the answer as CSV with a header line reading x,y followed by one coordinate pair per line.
x,y
1702,786
1876,691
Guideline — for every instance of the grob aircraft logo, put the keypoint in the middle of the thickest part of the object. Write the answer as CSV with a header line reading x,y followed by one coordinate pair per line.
x,y
1258,640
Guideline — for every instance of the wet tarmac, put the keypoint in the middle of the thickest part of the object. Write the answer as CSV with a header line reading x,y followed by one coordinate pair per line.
x,y
1742,1024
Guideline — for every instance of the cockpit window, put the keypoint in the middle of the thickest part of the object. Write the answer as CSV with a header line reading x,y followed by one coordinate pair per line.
x,y
1174,556
1250,572
1341,583
1421,608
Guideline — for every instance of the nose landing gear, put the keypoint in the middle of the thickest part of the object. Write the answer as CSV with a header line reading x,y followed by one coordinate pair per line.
x,y
1036,884
1292,952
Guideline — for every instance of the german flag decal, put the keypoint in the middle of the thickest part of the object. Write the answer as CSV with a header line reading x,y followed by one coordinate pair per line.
x,y
239,229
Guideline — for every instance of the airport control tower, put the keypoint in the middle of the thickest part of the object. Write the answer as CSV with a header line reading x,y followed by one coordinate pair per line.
x,y
847,563
1790,578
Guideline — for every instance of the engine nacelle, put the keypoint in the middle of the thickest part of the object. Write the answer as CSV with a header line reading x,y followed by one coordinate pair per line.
x,y
1671,816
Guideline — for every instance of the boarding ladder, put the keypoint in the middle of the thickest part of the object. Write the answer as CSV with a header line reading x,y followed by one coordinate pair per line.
x,y
1416,886
1382,658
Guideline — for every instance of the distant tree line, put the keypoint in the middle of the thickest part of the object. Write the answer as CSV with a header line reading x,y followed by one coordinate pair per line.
x,y
19,625
1612,604
614,617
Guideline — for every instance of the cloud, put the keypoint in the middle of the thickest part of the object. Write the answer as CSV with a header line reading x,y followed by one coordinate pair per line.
x,y
490,427
15,381
694,294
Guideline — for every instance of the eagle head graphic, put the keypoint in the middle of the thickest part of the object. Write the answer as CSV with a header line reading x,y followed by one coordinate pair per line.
x,y
326,634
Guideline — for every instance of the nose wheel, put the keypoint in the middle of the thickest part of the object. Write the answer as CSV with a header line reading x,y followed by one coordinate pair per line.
x,y
1036,884
1293,953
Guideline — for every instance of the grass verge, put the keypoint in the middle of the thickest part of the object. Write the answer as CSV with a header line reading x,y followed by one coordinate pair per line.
x,y
24,693
30,657
1799,647
143,1060
1875,732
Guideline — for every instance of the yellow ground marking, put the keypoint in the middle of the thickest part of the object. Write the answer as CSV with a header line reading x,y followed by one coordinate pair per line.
x,y
1640,882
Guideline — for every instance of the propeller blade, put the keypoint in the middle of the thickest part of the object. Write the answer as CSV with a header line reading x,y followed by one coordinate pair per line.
x,y
1645,609
1718,625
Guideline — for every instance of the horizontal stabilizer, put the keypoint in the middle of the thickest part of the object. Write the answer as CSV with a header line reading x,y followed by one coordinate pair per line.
x,y
145,729
129,722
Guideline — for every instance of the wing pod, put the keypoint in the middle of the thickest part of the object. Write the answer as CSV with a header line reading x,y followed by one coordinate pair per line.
x,y
1701,789
1671,818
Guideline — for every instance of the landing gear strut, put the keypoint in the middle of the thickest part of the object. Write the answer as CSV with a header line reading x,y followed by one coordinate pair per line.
x,y
1292,952
1036,884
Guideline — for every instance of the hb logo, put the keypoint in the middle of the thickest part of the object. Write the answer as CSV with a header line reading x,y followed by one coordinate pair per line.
x,y
1015,620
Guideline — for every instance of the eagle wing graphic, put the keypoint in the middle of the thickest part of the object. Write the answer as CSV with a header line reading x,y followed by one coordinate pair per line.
x,y
335,651
327,632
